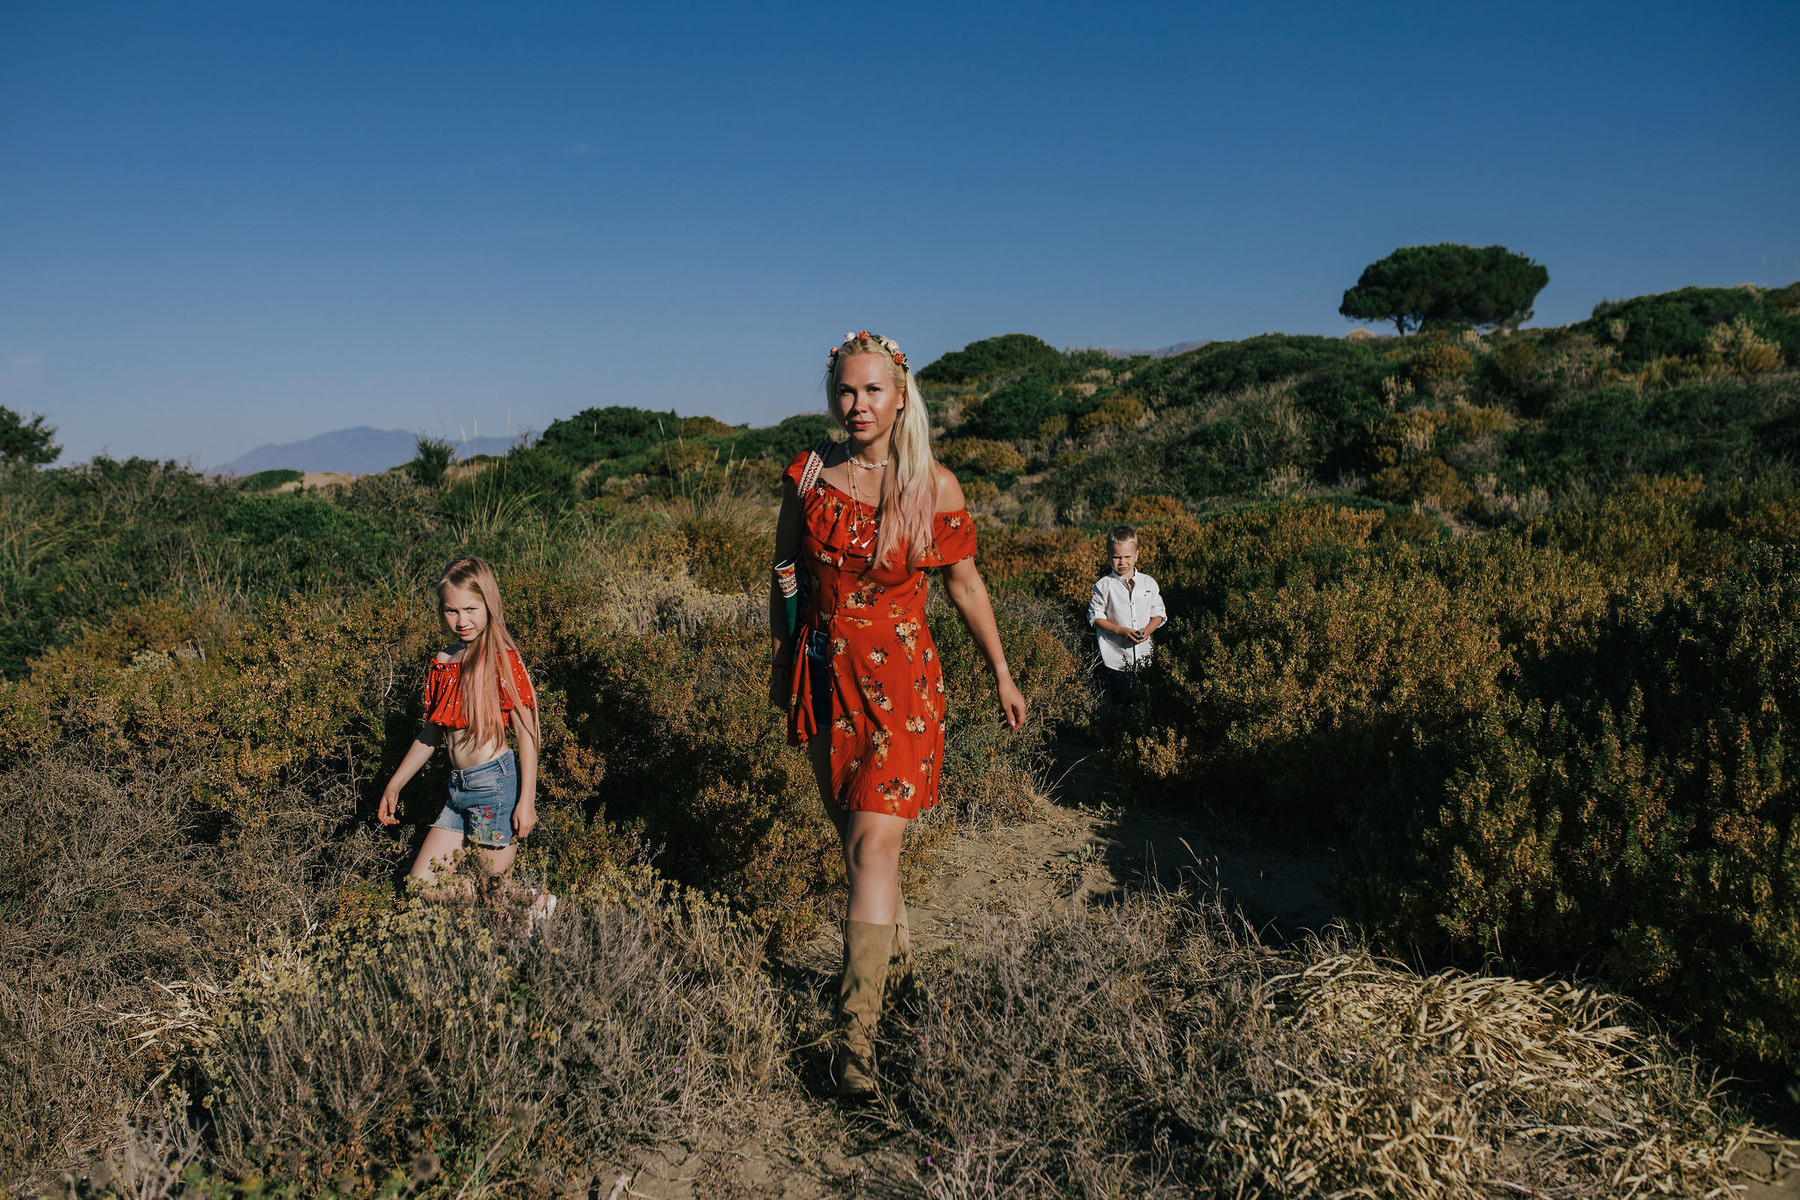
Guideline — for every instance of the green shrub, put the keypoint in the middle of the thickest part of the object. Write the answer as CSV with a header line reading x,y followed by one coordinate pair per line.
x,y
1680,323
268,481
780,441
1332,368
432,459
1722,430
1298,652
994,358
83,541
616,431
1629,798
307,541
1017,410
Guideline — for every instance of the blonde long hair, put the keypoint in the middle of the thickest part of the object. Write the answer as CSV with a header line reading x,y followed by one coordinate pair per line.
x,y
909,493
483,677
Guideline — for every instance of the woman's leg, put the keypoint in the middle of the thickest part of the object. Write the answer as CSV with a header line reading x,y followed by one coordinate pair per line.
x,y
819,751
872,861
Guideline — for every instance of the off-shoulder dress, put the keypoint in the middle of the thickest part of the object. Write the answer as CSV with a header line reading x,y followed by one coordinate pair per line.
x,y
886,686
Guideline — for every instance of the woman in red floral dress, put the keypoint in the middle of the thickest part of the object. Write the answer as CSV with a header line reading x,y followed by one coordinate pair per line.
x,y
862,684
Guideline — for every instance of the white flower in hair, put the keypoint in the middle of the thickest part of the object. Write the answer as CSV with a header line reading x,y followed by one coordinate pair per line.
x,y
850,337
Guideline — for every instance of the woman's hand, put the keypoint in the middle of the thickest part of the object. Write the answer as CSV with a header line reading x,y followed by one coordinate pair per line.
x,y
387,814
781,680
524,816
1012,704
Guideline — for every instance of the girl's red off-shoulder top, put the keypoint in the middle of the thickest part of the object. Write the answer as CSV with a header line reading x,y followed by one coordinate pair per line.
x,y
443,691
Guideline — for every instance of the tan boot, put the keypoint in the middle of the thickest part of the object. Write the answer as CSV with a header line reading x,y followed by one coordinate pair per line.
x,y
866,951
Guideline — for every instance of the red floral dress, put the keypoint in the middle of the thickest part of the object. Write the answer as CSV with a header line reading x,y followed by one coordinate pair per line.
x,y
887,686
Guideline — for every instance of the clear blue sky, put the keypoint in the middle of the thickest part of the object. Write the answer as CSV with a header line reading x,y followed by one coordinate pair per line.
x,y
234,223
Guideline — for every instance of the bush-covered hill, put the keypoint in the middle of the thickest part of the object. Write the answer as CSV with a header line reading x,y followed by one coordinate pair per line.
x,y
1510,617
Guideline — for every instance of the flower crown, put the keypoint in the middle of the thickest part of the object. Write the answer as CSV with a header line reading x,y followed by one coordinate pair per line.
x,y
892,349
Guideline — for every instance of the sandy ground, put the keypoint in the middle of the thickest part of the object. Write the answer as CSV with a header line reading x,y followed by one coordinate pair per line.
x,y
314,479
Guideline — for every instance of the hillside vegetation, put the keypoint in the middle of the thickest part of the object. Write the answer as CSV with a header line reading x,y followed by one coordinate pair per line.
x,y
1510,618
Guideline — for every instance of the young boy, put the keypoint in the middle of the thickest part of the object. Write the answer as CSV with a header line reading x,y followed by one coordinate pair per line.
x,y
1126,608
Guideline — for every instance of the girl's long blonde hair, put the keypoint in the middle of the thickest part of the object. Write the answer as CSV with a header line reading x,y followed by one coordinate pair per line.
x,y
909,493
483,677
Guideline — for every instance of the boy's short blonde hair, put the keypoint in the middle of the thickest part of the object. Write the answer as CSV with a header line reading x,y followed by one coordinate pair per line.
x,y
1118,535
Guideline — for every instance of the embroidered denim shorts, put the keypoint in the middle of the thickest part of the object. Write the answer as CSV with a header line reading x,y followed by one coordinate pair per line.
x,y
481,802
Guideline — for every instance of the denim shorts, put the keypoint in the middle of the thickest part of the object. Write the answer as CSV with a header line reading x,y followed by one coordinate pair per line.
x,y
481,802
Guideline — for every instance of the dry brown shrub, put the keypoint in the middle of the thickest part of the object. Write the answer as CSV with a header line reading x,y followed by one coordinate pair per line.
x,y
983,456
1120,411
1393,1084
1158,1049
1741,350
128,902
634,1017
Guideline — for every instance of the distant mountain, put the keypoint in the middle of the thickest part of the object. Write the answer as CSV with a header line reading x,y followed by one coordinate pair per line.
x,y
359,451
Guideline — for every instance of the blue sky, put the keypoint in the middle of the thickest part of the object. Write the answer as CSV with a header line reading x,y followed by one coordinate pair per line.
x,y
228,224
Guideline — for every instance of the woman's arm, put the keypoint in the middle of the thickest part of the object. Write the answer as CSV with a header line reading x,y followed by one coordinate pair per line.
x,y
417,755
525,732
787,545
969,594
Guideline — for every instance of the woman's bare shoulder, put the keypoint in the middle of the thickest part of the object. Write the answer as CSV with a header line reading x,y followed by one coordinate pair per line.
x,y
449,654
949,491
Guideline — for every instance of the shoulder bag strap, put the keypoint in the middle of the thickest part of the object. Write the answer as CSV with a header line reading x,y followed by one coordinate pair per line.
x,y
815,462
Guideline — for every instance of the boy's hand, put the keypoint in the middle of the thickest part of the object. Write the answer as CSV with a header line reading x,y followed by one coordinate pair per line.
x,y
390,802
524,816
1137,635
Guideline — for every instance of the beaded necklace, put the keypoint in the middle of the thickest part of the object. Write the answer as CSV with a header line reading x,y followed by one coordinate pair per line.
x,y
863,531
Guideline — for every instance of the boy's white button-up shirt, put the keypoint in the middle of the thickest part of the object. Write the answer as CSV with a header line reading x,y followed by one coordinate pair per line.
x,y
1129,605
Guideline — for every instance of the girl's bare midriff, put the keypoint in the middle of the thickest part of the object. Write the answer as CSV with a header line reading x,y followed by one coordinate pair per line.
x,y
464,751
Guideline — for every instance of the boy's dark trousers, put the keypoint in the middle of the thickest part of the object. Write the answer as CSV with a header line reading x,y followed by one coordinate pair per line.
x,y
1119,686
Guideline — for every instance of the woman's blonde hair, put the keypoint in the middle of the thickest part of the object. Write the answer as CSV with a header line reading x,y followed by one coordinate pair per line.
x,y
909,493
483,677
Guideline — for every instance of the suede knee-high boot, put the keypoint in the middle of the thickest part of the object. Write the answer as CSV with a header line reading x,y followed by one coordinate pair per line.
x,y
867,949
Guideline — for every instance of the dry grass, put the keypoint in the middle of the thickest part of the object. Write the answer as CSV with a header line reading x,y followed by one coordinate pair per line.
x,y
519,1062
1460,1085
1157,1049
114,880
1151,1048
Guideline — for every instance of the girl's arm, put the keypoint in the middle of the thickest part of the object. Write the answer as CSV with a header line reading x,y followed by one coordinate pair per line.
x,y
787,544
525,732
417,755
970,596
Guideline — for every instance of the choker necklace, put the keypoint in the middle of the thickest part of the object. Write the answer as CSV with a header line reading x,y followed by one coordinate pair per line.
x,y
857,462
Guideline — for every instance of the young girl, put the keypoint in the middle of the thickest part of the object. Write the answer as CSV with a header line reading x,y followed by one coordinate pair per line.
x,y
861,680
475,689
